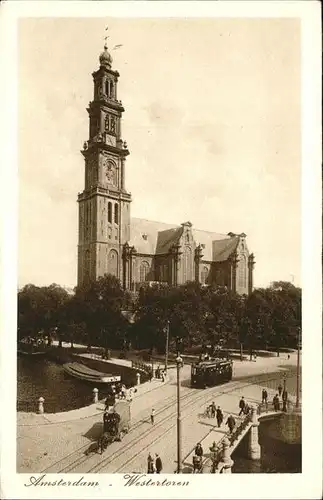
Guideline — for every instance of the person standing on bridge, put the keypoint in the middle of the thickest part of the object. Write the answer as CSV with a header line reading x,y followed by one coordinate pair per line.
x,y
285,398
231,423
242,405
158,464
276,403
152,416
150,467
213,409
219,416
264,397
198,450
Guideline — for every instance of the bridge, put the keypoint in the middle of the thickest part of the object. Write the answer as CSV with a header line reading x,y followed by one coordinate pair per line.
x,y
218,460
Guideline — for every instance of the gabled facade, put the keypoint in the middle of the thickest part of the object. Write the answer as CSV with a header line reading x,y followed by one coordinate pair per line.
x,y
138,251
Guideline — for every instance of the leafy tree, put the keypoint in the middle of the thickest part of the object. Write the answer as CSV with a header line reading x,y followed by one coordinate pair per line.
x,y
39,309
99,306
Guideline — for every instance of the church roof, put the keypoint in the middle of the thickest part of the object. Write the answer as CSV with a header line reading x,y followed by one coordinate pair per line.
x,y
167,238
151,237
224,248
144,234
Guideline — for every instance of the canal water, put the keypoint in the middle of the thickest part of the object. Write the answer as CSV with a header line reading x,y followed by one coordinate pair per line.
x,y
41,377
281,450
279,437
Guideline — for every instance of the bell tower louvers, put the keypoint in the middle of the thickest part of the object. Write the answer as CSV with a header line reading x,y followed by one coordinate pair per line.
x,y
104,205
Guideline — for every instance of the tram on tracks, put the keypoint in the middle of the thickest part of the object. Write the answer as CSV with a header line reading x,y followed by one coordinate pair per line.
x,y
211,372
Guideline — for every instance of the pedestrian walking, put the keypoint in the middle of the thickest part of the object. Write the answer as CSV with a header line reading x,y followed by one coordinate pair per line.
x,y
158,464
242,405
280,389
152,416
276,403
219,416
130,394
150,464
231,423
105,421
150,374
285,399
213,409
288,357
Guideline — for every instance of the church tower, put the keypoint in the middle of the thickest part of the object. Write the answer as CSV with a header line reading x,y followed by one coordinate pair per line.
x,y
104,205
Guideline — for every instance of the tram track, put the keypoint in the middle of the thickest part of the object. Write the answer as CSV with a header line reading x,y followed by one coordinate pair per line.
x,y
196,402
79,458
79,452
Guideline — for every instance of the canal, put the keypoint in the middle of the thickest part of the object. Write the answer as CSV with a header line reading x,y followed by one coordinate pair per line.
x,y
42,377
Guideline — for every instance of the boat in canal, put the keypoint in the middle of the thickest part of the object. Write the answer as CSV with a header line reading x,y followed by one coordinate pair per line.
x,y
87,374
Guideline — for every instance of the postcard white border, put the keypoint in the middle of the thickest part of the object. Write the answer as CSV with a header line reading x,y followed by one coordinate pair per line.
x,y
305,485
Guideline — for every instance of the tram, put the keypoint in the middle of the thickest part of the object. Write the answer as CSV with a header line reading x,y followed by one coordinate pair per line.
x,y
211,372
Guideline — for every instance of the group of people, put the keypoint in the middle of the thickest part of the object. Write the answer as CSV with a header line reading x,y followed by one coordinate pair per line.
x,y
243,407
118,391
214,411
159,374
282,395
154,465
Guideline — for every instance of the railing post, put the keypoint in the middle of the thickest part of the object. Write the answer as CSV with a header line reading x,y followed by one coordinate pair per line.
x,y
41,401
95,395
254,450
226,457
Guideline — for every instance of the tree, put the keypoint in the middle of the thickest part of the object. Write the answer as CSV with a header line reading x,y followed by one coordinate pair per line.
x,y
39,309
99,306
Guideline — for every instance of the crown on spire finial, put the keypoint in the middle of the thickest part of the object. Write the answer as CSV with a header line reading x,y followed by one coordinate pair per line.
x,y
105,57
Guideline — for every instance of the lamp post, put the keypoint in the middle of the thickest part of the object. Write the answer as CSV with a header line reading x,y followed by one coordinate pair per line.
x,y
179,418
298,366
167,342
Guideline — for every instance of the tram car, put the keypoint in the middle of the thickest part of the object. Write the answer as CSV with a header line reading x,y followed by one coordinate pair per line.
x,y
116,423
211,372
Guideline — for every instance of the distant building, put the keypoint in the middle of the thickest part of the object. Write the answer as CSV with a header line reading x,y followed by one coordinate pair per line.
x,y
139,250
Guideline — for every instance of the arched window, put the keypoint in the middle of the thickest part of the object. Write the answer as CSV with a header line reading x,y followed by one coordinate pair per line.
x,y
113,263
109,211
143,271
116,213
187,264
204,275
242,271
107,87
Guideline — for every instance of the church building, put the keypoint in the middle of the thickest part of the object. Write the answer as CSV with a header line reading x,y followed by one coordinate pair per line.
x,y
140,251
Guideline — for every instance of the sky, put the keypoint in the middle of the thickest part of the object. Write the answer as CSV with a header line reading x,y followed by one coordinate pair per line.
x,y
212,121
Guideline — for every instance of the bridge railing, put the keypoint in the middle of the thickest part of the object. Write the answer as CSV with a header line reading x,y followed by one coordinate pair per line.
x,y
290,407
136,365
212,462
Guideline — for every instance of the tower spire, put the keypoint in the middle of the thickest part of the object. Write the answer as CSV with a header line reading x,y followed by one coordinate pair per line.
x,y
105,57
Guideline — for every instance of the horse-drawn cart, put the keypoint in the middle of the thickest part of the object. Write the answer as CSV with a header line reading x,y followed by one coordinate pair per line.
x,y
116,423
